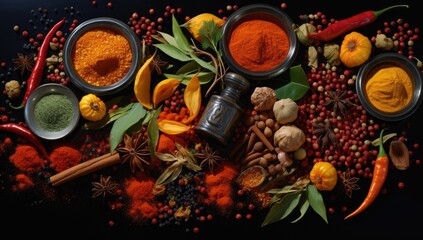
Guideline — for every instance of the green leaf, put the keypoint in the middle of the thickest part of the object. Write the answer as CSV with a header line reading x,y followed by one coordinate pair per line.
x,y
108,118
296,88
169,39
173,52
153,133
135,114
203,77
189,67
203,63
179,36
316,201
282,209
304,204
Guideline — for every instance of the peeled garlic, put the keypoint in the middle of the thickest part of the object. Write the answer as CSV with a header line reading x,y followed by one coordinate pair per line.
x,y
285,110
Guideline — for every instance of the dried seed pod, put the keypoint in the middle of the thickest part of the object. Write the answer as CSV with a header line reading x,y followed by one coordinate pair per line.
x,y
398,152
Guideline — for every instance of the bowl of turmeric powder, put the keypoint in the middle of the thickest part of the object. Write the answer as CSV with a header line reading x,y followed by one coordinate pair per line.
x,y
259,42
389,86
102,55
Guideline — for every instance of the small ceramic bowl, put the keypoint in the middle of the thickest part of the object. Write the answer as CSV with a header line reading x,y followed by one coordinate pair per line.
x,y
269,14
100,23
384,60
38,94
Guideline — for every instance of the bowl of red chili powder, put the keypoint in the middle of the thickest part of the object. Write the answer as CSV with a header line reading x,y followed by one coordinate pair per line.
x,y
389,86
102,55
259,41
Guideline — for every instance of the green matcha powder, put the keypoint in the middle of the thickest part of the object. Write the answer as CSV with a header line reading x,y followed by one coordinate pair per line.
x,y
53,112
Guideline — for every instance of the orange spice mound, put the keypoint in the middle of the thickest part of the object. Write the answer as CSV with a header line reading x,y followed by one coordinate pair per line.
x,y
64,157
27,159
219,187
23,182
102,56
140,191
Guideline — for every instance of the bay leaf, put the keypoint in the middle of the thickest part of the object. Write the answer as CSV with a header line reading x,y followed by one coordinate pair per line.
x,y
121,125
202,63
316,201
153,132
108,118
173,52
295,88
384,139
304,205
179,36
168,38
189,67
282,208
203,77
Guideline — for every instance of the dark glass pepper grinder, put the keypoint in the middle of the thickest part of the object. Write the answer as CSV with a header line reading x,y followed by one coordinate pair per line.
x,y
222,112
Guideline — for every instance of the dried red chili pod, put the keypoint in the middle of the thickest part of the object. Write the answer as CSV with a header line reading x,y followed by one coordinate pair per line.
x,y
27,134
349,24
34,79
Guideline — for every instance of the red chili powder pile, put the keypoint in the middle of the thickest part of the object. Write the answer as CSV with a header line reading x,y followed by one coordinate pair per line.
x,y
64,157
219,188
23,182
27,159
140,191
258,45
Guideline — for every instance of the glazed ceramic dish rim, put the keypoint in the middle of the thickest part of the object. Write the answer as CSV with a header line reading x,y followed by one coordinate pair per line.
x,y
394,59
274,13
100,22
36,95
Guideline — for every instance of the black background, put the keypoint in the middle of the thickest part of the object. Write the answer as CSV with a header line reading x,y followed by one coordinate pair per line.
x,y
396,214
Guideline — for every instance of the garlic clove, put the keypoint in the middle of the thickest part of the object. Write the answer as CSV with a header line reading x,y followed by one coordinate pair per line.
x,y
398,152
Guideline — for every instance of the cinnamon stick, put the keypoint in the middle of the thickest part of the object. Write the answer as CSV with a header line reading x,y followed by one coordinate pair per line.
x,y
262,137
85,168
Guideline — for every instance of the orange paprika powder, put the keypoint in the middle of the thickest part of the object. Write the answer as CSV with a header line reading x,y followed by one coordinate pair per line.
x,y
258,45
102,56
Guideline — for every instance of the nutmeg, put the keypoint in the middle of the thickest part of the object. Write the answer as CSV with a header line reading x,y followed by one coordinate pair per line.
x,y
289,138
263,98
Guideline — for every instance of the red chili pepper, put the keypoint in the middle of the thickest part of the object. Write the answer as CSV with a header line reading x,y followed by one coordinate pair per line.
x,y
379,176
34,79
26,133
362,19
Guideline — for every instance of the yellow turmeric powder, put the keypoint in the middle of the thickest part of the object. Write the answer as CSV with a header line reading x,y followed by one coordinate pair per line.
x,y
102,56
390,89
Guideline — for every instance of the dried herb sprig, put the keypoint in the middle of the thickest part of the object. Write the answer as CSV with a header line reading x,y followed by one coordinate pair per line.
x,y
181,158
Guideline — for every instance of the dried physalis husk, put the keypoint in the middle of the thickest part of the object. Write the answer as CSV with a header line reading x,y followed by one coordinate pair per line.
x,y
312,57
383,42
331,54
399,155
303,31
263,98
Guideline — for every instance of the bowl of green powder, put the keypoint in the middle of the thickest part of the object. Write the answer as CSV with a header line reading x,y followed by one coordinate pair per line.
x,y
52,111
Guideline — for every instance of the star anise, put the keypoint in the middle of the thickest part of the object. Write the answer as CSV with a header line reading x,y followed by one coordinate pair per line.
x,y
158,65
325,135
209,157
338,101
104,186
350,183
24,62
134,151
